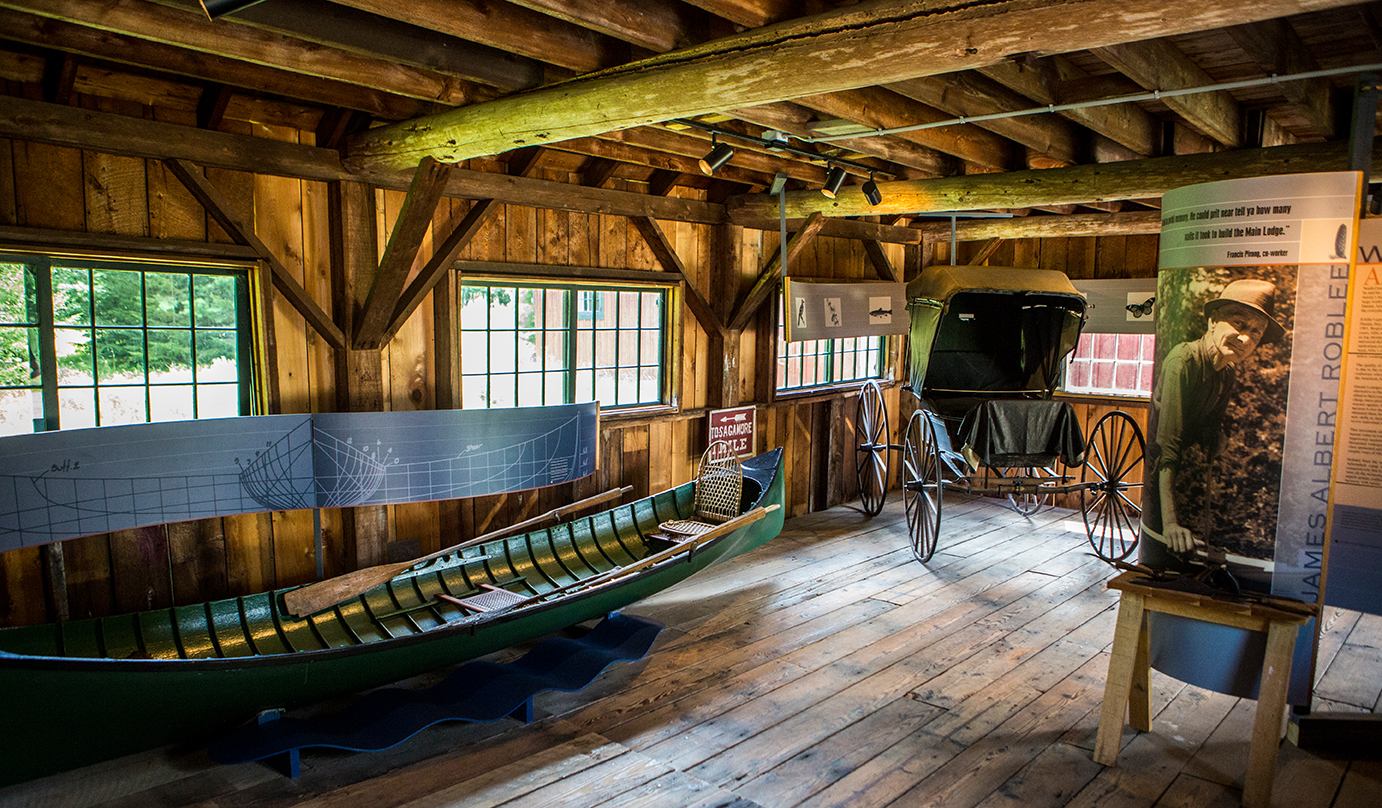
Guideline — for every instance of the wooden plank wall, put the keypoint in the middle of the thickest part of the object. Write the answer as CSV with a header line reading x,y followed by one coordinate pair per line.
x,y
67,189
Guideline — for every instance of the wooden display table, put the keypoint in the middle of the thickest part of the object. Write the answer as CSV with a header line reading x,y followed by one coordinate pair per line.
x,y
1128,669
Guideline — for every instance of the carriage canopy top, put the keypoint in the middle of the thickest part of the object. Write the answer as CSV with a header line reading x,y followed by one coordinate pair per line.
x,y
991,330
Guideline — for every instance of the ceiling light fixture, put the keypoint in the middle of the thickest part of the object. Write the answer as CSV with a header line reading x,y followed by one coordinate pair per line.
x,y
833,181
871,192
718,156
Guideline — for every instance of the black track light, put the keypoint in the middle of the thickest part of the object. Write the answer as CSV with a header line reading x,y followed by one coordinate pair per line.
x,y
833,181
220,8
718,156
871,192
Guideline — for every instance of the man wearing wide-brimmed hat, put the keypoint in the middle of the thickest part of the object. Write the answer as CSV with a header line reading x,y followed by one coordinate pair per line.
x,y
1192,390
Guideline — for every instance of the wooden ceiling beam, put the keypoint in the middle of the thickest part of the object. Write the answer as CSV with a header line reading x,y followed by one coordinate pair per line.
x,y
658,25
858,46
184,29
877,108
108,133
746,157
1157,64
508,27
1058,186
878,259
970,93
795,119
121,49
1077,225
338,26
749,13
1042,81
1276,48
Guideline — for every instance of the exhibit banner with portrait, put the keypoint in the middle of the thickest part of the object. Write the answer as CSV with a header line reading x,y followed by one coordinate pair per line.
x,y
1251,303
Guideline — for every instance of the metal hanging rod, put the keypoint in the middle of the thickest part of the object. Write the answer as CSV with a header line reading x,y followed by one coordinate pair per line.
x,y
1150,95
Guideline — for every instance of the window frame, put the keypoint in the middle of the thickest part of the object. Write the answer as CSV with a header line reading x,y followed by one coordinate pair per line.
x,y
1138,363
43,265
578,319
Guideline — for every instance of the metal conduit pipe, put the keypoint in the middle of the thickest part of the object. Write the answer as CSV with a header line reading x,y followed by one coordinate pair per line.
x,y
1150,95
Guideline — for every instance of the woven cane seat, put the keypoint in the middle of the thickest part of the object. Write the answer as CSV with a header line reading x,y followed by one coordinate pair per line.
x,y
719,489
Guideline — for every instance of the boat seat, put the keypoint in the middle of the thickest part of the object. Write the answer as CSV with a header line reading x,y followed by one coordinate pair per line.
x,y
490,600
719,494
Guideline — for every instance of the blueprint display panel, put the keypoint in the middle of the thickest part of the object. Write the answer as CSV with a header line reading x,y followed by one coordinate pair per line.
x,y
60,485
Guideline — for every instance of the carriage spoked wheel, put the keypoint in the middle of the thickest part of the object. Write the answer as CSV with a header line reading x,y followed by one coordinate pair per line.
x,y
1028,502
1111,505
871,452
922,484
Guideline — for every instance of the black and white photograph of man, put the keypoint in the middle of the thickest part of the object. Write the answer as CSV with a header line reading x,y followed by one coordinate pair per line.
x,y
1217,413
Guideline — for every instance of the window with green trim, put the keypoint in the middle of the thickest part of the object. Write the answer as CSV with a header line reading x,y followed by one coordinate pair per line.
x,y
820,362
532,345
100,343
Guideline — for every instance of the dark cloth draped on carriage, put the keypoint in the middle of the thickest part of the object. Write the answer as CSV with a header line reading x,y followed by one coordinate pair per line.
x,y
1019,432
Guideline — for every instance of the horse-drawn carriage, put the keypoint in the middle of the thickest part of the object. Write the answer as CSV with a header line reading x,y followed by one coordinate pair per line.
x,y
987,345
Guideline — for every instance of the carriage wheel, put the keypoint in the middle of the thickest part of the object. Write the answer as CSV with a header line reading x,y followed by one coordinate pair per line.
x,y
1028,503
871,454
1112,508
922,486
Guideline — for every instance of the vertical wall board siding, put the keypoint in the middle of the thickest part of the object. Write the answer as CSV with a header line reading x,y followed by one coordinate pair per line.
x,y
1080,258
139,568
613,240
1026,253
198,559
801,438
612,458
636,459
89,591
48,186
1142,254
8,213
582,235
1110,256
521,237
1053,254
116,194
21,588
173,211
316,277
295,560
249,553
660,451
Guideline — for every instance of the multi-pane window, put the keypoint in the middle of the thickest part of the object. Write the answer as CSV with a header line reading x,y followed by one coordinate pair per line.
x,y
809,363
88,343
1111,364
532,345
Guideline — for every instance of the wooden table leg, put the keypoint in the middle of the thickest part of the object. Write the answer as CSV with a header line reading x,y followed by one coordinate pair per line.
x,y
1128,640
1140,695
1271,705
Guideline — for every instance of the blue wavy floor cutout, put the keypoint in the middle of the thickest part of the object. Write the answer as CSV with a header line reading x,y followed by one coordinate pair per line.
x,y
477,691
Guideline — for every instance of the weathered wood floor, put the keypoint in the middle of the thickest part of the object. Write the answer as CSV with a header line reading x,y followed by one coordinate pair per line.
x,y
828,669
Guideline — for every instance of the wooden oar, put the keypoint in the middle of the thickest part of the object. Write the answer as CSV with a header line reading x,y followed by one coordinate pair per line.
x,y
689,546
312,598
